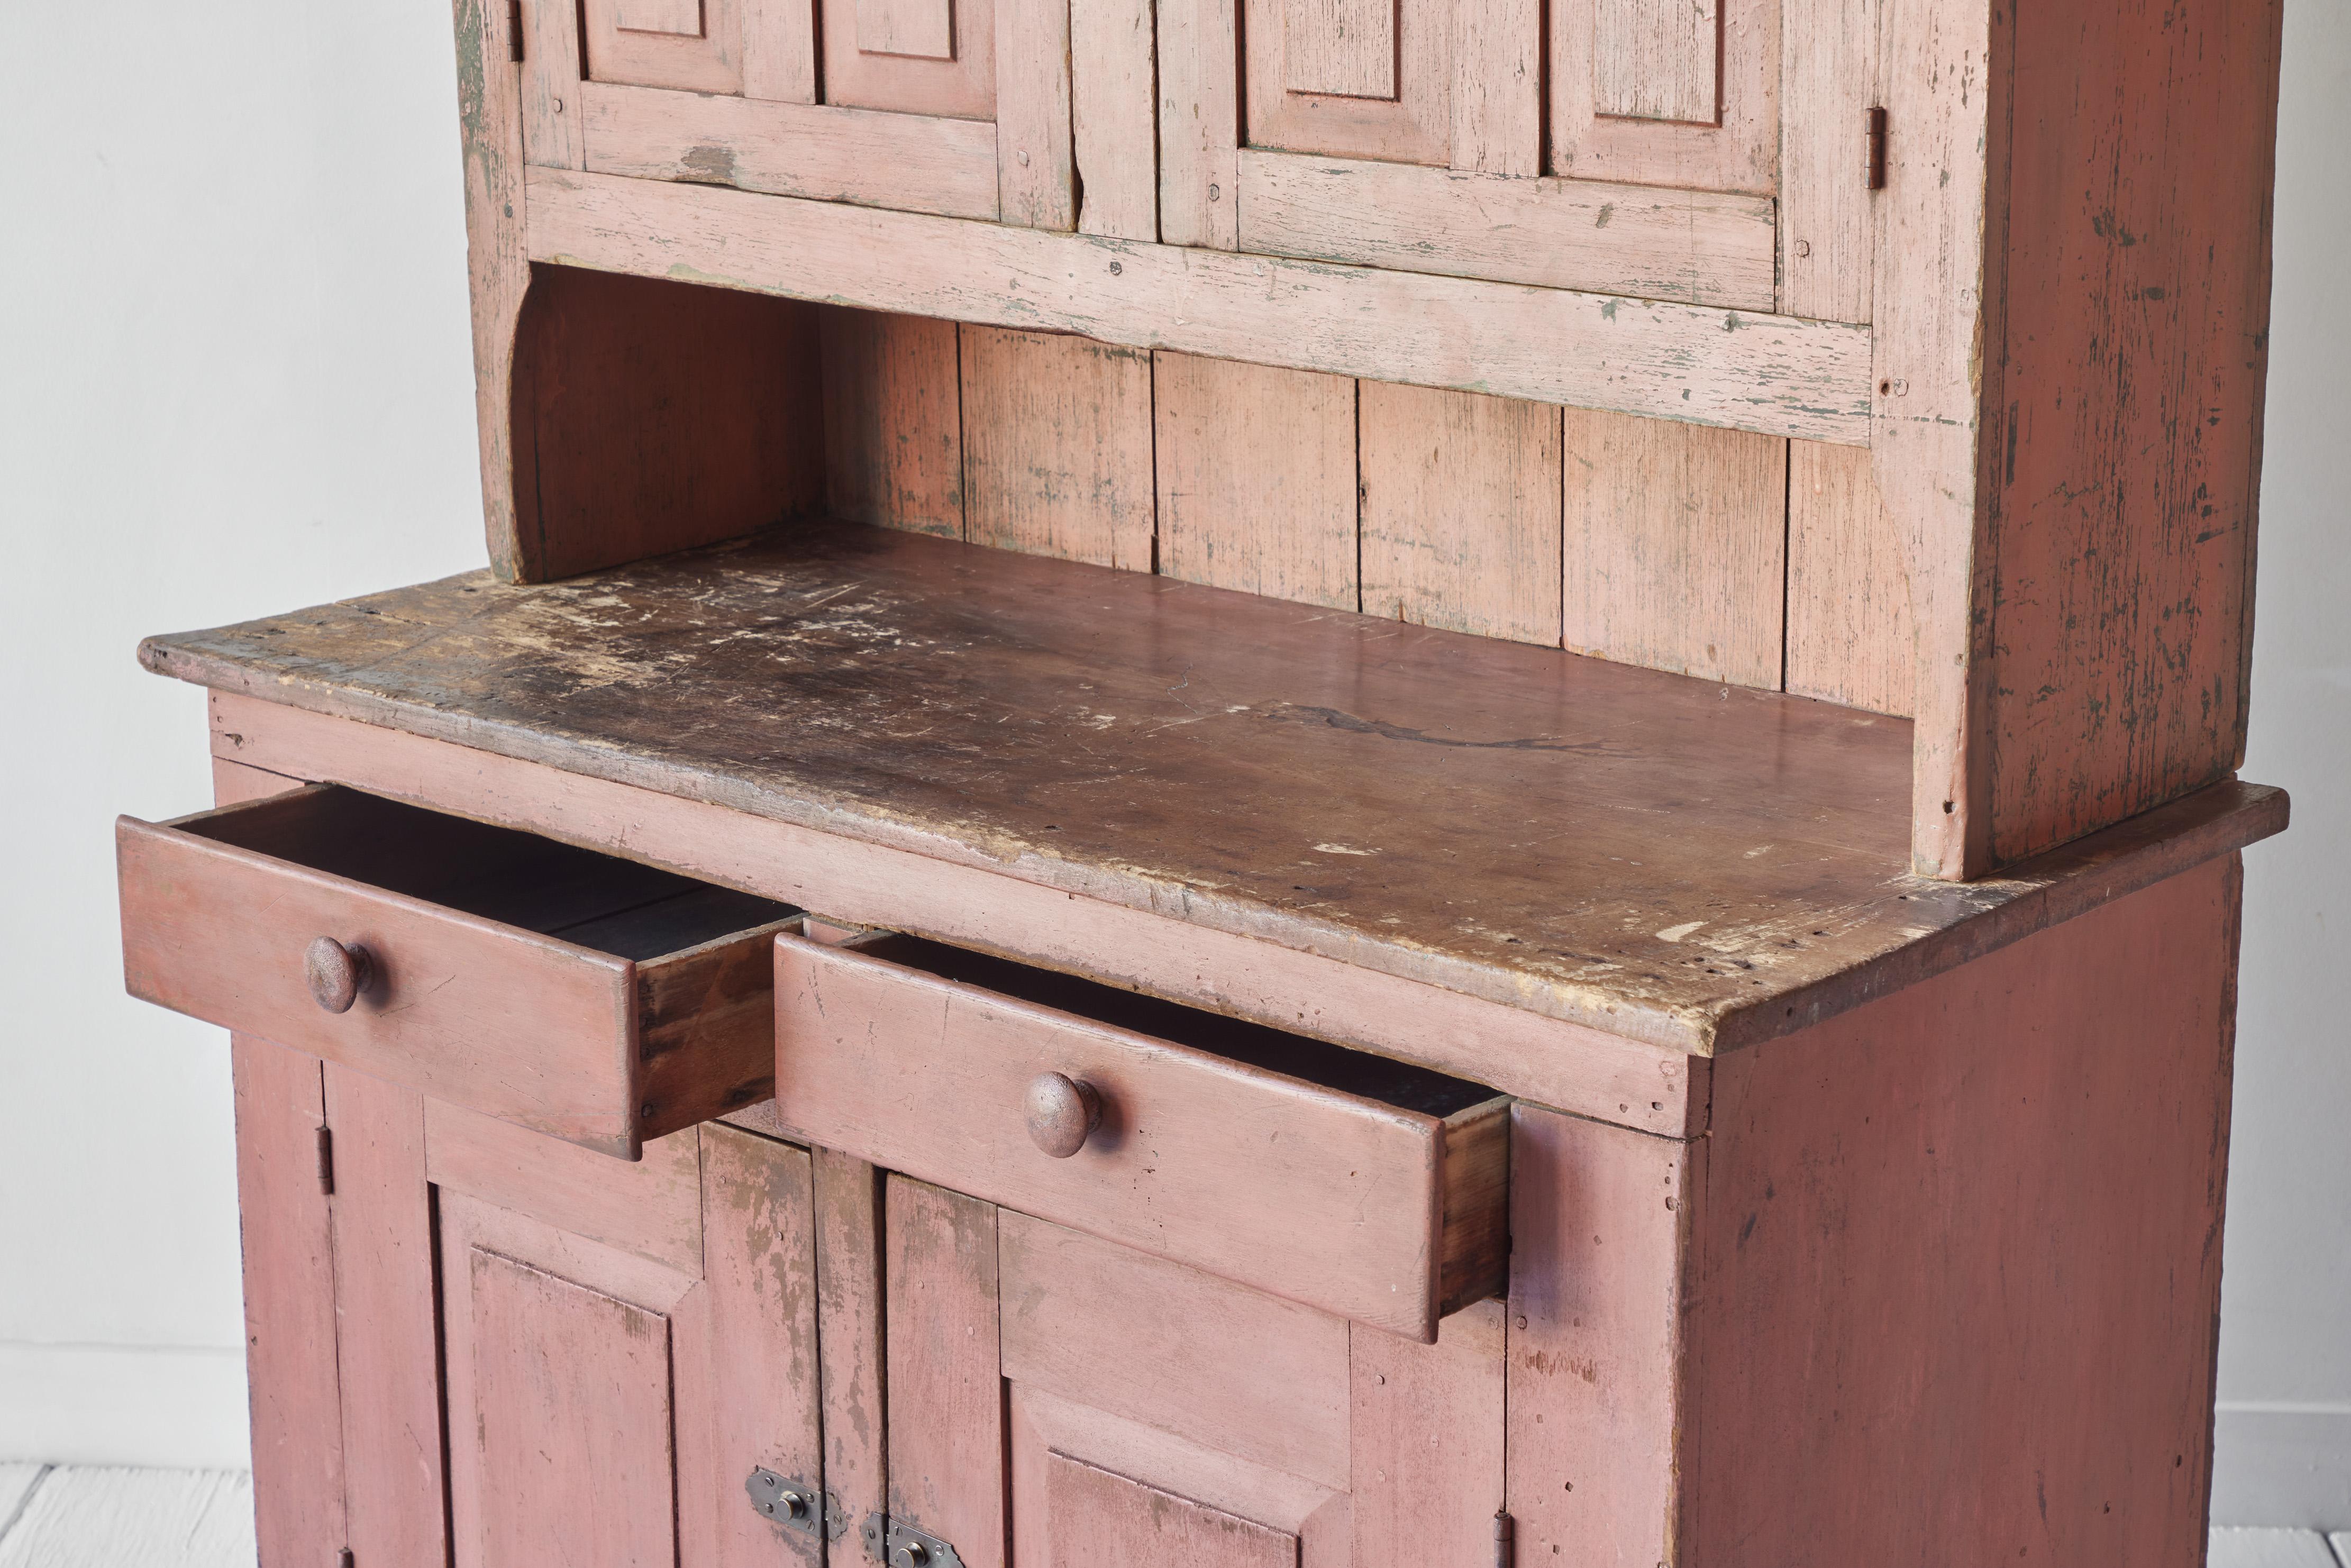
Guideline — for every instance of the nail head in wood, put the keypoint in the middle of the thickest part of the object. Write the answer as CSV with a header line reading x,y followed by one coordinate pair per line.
x,y
1063,1111
336,973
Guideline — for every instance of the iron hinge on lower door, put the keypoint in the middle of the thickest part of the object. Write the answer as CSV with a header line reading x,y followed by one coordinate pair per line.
x,y
902,1546
327,1161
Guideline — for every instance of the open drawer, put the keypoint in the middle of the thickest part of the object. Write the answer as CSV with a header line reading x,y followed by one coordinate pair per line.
x,y
1368,1188
581,995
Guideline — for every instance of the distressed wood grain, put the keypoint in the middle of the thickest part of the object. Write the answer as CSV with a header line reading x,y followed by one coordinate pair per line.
x,y
962,87
851,1336
551,133
1828,214
1688,246
1737,148
917,162
1261,1379
1401,112
924,28
1498,87
1675,547
893,421
497,263
1332,725
1103,1517
1036,181
1257,479
1461,512
286,1234
1113,114
1200,123
779,51
1778,375
1425,1431
1657,59
1056,447
945,1397
1850,633
387,1346
1599,1393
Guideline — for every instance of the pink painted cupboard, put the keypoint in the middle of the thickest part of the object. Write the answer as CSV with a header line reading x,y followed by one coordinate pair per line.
x,y
1273,784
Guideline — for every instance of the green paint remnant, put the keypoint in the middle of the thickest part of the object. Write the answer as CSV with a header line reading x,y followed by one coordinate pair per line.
x,y
1608,311
1607,211
1731,323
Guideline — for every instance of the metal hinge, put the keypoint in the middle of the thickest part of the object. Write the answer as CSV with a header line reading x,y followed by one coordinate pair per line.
x,y
327,1161
794,1504
904,1546
514,26
343,1559
1873,158
1506,1539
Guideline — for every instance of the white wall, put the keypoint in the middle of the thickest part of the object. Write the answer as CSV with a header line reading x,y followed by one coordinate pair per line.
x,y
234,379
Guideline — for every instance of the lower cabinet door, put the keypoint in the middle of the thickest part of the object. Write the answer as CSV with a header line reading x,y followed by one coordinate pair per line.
x,y
1055,1399
630,1350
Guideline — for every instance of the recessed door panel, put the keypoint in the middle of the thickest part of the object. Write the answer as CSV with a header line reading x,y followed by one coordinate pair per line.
x,y
1351,78
917,56
695,45
1099,1516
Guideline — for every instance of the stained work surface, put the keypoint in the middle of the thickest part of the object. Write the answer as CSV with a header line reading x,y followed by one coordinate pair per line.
x,y
1586,838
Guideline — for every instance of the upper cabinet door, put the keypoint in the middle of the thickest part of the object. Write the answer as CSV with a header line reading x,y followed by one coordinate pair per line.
x,y
1352,78
1666,92
956,107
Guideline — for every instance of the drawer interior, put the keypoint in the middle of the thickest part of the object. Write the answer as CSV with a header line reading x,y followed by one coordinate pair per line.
x,y
1336,1067
591,900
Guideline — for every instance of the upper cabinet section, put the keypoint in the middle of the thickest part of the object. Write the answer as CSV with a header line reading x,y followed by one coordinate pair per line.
x,y
955,106
1617,146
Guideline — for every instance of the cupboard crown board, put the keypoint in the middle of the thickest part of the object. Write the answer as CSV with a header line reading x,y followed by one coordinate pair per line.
x,y
1324,783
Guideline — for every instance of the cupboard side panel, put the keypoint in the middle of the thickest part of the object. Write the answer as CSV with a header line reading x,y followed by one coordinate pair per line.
x,y
2134,363
1962,1249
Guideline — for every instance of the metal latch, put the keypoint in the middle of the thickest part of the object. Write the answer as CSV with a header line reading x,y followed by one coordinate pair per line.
x,y
793,1504
904,1546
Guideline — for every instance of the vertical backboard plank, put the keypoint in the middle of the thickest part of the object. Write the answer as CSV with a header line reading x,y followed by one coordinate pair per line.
x,y
1498,87
388,1349
1200,123
1849,629
1460,511
1113,117
1099,1518
892,421
1346,48
780,50
850,1337
1600,1219
1427,1438
1828,214
572,1397
758,1259
551,85
1036,184
922,29
1675,547
945,1395
1057,447
289,1303
1257,479
1659,60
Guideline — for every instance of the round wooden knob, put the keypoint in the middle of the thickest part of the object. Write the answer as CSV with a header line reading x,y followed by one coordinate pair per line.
x,y
1062,1111
336,973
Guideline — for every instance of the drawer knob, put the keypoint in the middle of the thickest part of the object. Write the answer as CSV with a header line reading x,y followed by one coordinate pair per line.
x,y
336,973
1063,1112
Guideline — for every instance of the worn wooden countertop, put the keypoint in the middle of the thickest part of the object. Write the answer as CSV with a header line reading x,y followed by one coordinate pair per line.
x,y
1680,861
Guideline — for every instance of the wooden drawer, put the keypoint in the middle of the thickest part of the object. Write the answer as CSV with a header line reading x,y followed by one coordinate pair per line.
x,y
1345,1181
586,997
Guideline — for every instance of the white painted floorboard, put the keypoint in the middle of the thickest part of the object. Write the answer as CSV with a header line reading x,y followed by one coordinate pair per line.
x,y
2235,1548
80,1516
87,1516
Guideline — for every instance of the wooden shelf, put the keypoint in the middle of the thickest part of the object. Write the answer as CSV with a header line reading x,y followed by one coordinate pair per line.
x,y
1695,866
